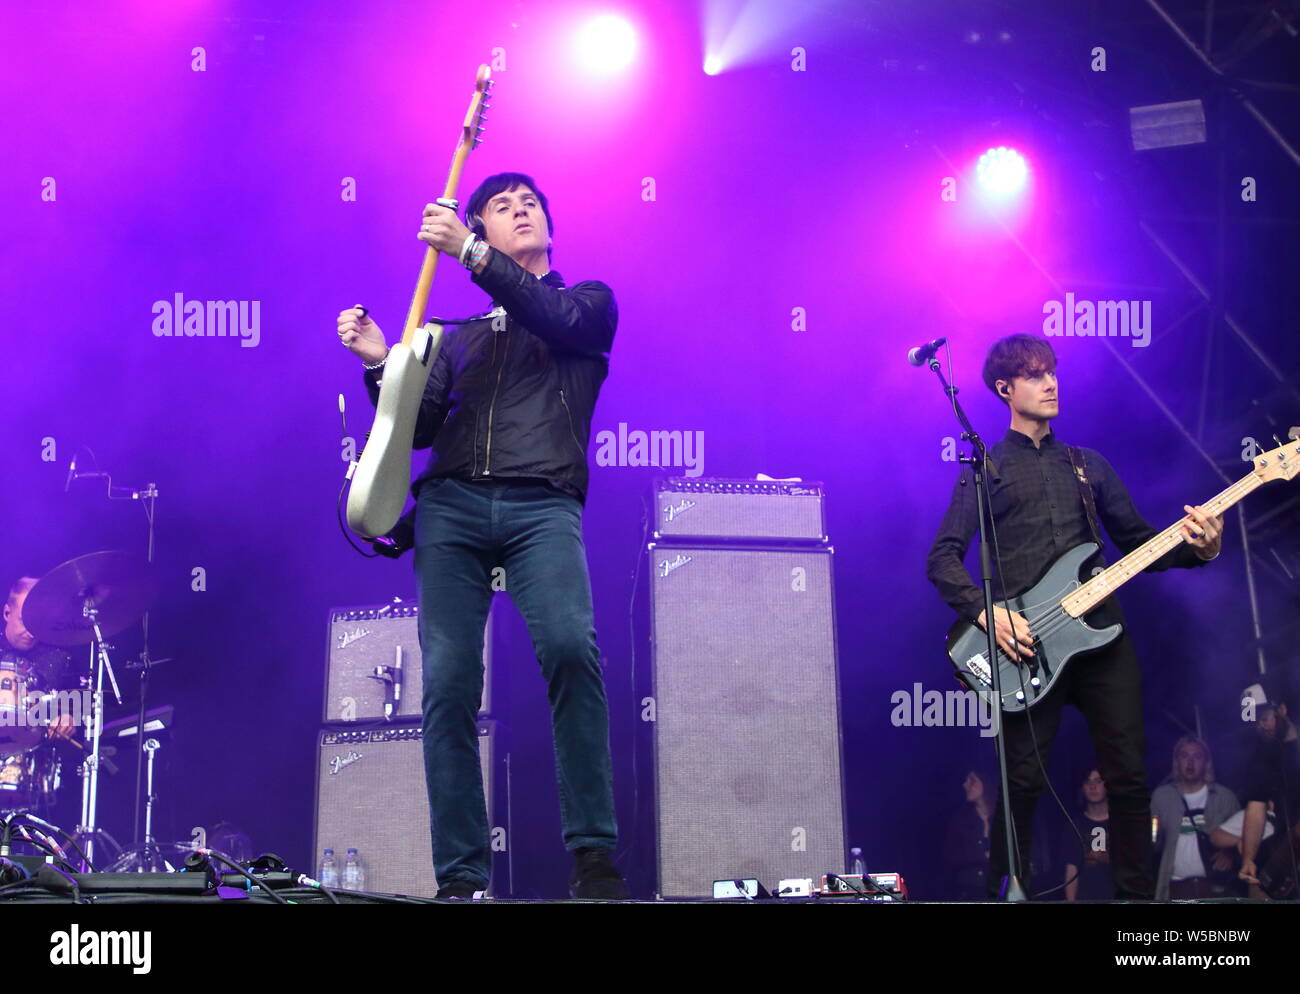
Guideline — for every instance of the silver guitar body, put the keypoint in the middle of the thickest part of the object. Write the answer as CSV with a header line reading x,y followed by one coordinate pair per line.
x,y
383,477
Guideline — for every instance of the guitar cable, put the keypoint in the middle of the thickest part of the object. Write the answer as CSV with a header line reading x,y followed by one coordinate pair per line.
x,y
631,624
343,488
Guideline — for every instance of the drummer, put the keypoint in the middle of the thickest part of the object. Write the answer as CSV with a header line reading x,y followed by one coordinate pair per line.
x,y
49,667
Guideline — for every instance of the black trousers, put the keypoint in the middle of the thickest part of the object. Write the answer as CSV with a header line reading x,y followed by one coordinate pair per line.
x,y
1107,688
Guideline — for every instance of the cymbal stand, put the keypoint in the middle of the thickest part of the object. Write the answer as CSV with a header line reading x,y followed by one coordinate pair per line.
x,y
99,665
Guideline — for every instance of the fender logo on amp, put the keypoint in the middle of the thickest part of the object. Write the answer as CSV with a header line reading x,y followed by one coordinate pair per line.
x,y
347,638
668,565
672,511
340,762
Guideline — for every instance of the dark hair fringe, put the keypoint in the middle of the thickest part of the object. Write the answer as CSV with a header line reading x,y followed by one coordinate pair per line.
x,y
504,183
1017,355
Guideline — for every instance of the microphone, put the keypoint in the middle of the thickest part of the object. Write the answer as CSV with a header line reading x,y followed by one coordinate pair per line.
x,y
72,473
921,353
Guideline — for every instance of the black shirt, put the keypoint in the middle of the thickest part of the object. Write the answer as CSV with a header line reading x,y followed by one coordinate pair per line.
x,y
1093,861
1040,516
1274,775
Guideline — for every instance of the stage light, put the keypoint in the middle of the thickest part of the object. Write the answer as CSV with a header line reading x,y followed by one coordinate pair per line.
x,y
712,65
1001,171
607,44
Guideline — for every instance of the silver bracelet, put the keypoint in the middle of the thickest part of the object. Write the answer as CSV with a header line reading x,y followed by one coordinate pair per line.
x,y
380,363
468,244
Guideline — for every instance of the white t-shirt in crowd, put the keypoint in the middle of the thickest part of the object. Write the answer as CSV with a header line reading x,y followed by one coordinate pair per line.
x,y
1187,857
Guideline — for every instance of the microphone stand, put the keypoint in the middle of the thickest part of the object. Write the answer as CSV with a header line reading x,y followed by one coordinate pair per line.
x,y
1012,890
148,498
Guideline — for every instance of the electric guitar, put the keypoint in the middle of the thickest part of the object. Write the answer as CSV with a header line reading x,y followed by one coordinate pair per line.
x,y
383,474
1055,606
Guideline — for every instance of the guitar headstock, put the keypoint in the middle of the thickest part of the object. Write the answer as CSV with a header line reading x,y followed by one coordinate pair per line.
x,y
472,133
1282,463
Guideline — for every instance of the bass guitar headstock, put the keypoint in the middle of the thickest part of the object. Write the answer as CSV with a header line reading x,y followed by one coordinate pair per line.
x,y
1282,463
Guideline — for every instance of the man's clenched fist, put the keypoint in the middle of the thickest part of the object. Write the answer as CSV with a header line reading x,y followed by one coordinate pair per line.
x,y
442,229
361,335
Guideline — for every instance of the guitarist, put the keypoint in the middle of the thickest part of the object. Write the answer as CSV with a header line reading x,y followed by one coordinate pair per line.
x,y
1039,508
507,411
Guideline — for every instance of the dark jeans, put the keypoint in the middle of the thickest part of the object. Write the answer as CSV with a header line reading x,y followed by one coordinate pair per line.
x,y
1107,688
464,531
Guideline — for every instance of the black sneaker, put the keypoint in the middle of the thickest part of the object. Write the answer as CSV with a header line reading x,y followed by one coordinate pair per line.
x,y
458,890
595,877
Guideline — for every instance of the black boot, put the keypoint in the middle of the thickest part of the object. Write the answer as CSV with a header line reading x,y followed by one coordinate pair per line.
x,y
595,877
458,890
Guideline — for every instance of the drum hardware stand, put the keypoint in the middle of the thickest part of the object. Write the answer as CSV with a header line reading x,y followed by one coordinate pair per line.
x,y
146,857
99,663
151,746
148,498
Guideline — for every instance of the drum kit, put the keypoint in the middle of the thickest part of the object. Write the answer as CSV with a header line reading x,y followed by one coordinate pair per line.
x,y
81,603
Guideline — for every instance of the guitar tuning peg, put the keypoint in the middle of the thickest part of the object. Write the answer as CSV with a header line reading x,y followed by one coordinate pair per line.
x,y
1278,440
1294,434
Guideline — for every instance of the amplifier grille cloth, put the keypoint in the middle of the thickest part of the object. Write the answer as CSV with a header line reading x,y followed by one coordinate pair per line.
x,y
747,733
378,804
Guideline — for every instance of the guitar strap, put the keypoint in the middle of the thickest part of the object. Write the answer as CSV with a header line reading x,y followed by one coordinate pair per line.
x,y
1080,465
1203,844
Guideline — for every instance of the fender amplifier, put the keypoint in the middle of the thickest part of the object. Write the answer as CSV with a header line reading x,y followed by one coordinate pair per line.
x,y
371,796
374,666
748,762
751,510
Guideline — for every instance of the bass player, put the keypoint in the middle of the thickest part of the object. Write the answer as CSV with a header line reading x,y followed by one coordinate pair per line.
x,y
1040,489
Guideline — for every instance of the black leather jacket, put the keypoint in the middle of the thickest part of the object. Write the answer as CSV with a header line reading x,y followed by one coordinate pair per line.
x,y
512,397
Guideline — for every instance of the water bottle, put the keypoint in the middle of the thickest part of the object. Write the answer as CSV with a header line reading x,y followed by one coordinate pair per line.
x,y
856,866
354,877
329,870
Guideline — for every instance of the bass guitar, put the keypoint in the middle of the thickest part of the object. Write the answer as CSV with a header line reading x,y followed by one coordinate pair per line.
x,y
1055,606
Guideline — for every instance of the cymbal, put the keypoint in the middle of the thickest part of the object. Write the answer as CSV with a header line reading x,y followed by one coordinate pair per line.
x,y
119,586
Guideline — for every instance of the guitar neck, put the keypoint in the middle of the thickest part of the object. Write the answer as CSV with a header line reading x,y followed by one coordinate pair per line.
x,y
1105,583
420,298
471,135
